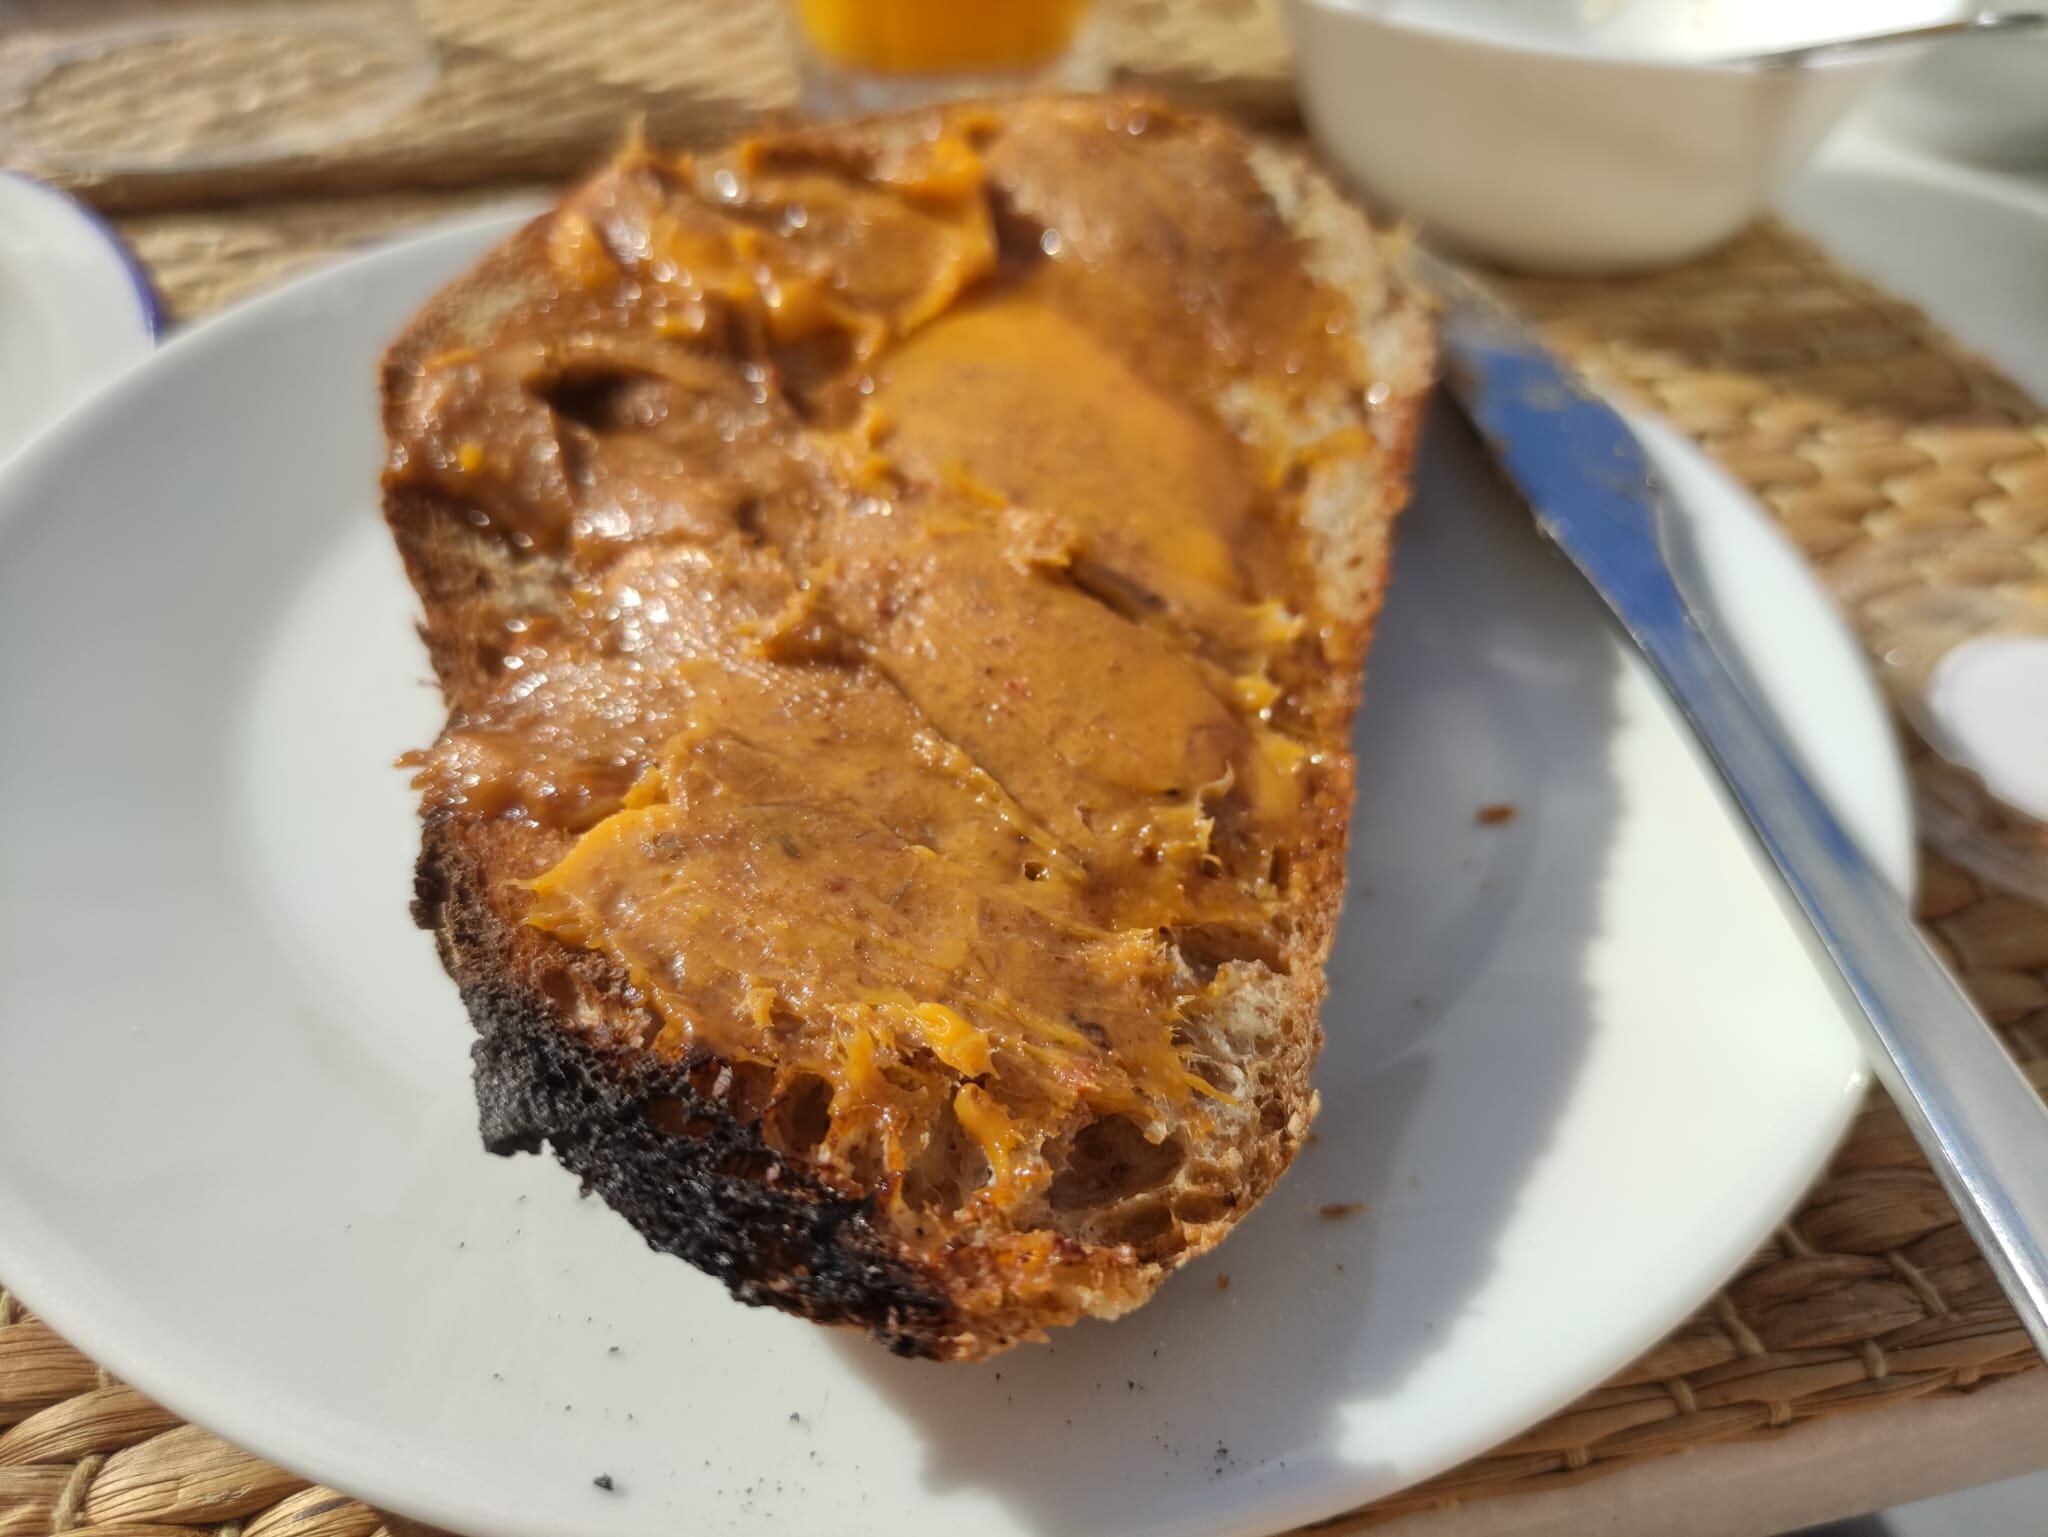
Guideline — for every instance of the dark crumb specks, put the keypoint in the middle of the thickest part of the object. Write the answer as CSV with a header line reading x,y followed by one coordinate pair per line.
x,y
1496,814
1336,1211
1223,1280
604,1482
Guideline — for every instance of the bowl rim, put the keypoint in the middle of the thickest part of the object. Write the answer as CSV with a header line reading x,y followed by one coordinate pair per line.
x,y
1377,14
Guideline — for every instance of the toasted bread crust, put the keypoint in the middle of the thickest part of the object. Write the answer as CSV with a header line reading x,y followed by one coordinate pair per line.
x,y
790,1241
562,1067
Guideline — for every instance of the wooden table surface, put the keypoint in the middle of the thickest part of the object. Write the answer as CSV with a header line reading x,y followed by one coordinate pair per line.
x,y
1825,1470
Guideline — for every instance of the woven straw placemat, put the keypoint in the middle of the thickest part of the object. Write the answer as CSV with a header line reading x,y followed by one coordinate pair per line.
x,y
530,89
1901,464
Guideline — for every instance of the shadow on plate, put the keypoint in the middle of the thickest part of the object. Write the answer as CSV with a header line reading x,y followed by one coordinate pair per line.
x,y
1456,1023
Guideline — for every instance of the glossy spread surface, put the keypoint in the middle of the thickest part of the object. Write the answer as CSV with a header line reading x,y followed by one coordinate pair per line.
x,y
922,675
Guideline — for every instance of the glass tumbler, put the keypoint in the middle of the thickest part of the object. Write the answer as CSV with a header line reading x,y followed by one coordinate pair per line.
x,y
858,56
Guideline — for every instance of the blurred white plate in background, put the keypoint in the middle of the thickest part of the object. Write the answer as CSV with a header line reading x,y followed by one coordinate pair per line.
x,y
1970,246
75,308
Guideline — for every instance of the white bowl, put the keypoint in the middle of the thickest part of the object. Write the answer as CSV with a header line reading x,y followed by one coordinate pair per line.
x,y
1574,136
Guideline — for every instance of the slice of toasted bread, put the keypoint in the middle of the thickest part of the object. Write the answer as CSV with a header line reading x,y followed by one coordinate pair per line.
x,y
645,421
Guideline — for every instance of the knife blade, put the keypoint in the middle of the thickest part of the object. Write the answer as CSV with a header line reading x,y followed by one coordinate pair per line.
x,y
1591,489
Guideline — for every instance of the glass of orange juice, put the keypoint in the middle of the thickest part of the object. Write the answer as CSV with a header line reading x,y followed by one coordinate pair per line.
x,y
874,55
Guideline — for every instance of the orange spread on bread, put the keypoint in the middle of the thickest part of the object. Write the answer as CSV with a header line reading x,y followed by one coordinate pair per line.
x,y
980,634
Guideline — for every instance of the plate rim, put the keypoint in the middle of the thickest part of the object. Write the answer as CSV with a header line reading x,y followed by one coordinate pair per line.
x,y
102,415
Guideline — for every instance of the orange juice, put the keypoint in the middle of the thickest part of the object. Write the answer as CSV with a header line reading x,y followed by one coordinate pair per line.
x,y
920,37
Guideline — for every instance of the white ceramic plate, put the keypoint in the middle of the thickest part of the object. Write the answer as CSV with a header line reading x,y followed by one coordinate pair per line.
x,y
75,309
1578,1064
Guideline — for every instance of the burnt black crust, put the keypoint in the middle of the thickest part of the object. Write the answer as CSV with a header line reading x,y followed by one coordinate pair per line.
x,y
717,1197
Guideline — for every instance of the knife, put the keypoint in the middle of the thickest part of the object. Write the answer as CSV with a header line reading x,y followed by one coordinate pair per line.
x,y
1586,479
